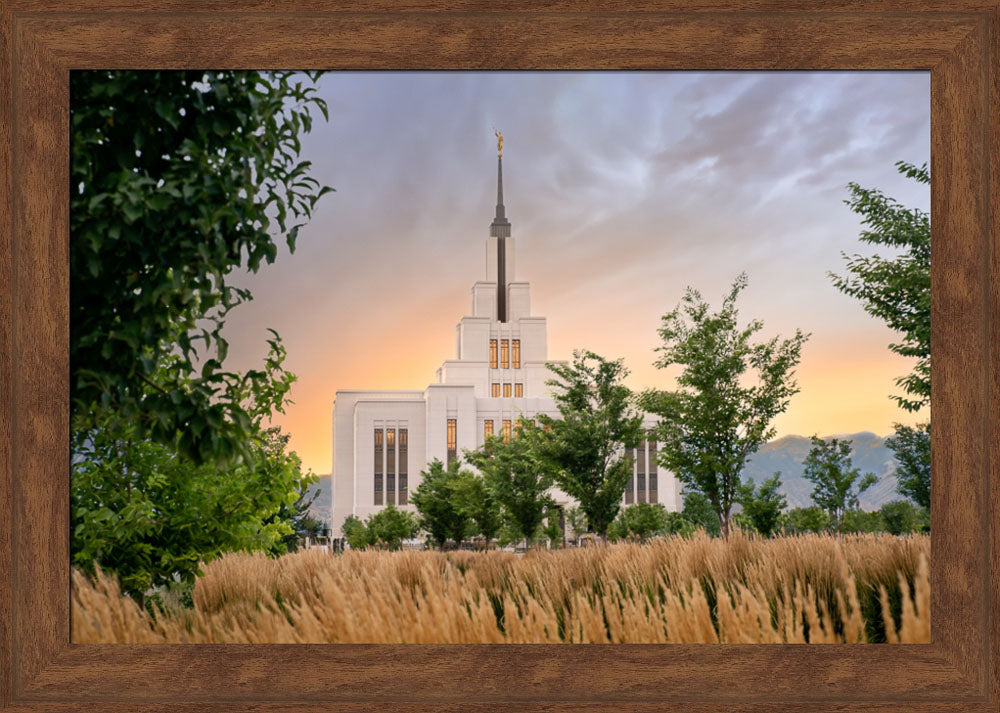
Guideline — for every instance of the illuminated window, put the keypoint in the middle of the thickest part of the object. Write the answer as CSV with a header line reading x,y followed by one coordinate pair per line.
x,y
487,428
452,439
495,390
390,466
652,472
506,389
403,469
518,390
505,430
515,355
505,354
640,485
378,466
493,353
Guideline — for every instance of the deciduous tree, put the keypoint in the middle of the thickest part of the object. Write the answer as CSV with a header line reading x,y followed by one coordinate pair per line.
x,y
728,393
836,482
438,502
763,505
585,447
516,477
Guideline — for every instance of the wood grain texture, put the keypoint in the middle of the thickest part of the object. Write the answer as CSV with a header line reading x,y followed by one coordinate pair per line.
x,y
42,41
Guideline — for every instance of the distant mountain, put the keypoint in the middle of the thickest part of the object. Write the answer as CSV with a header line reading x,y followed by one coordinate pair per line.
x,y
320,509
868,452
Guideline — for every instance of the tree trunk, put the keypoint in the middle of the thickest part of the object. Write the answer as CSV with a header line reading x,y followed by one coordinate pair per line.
x,y
724,525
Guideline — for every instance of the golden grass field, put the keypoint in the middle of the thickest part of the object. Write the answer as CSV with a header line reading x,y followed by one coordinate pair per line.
x,y
806,589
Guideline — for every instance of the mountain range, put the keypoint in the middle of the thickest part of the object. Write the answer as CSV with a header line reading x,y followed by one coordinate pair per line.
x,y
868,452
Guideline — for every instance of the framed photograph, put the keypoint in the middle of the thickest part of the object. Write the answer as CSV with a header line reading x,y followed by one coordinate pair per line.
x,y
44,669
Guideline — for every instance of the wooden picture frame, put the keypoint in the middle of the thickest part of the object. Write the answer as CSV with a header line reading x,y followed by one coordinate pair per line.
x,y
958,41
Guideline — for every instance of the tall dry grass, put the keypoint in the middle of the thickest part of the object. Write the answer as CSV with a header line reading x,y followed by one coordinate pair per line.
x,y
815,589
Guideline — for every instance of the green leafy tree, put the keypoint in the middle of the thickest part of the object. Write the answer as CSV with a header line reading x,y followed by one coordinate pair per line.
x,y
798,521
178,179
438,502
901,517
478,501
552,526
585,446
912,448
862,521
897,290
517,479
836,483
700,513
356,533
763,505
678,524
729,391
576,519
141,510
640,521
390,526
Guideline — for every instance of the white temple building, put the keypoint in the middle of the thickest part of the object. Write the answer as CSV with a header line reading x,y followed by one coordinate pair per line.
x,y
382,440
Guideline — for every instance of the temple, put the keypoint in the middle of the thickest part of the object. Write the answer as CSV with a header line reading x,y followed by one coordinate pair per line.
x,y
383,439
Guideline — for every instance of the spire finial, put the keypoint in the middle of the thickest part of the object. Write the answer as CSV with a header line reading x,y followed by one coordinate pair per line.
x,y
500,228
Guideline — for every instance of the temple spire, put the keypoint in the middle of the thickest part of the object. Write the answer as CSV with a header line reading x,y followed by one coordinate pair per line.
x,y
500,227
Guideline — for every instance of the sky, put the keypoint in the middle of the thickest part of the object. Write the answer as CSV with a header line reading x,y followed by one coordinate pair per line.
x,y
622,189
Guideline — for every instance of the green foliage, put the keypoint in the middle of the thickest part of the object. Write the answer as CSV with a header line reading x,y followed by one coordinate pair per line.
x,y
763,506
356,533
798,521
700,513
390,526
897,290
551,528
715,420
478,501
640,522
836,483
863,521
139,509
584,448
576,520
438,502
912,448
178,179
901,517
517,480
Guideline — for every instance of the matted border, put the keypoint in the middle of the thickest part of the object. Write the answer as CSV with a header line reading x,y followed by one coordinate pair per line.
x,y
41,41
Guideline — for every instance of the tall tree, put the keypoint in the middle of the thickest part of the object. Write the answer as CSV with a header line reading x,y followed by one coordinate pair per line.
x,y
437,500
516,478
897,290
763,505
912,448
179,178
836,482
585,446
729,391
